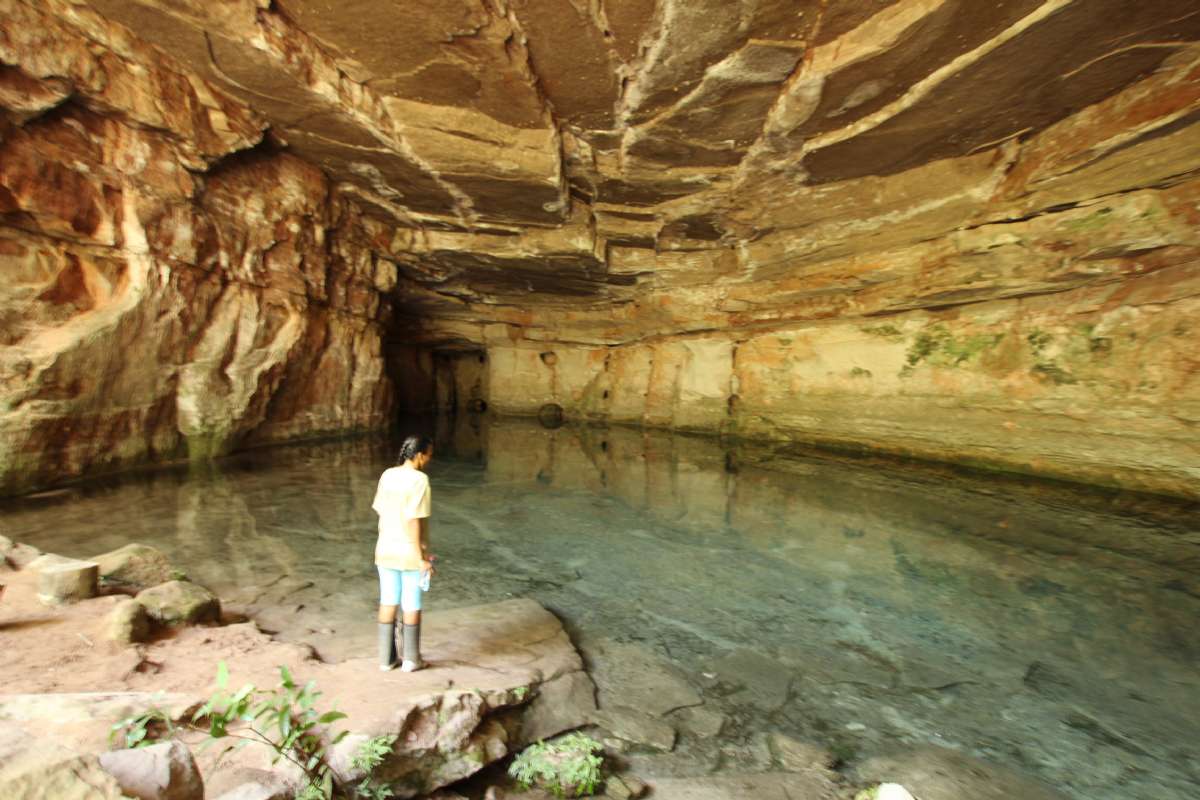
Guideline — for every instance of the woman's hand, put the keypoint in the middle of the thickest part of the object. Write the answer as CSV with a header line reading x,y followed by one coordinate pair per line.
x,y
427,566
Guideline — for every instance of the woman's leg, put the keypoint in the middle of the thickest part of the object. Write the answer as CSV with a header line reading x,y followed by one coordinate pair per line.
x,y
410,605
389,598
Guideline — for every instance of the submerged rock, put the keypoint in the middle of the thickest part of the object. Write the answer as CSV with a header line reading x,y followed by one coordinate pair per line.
x,y
764,682
700,721
760,786
624,787
636,727
634,676
180,603
935,773
798,756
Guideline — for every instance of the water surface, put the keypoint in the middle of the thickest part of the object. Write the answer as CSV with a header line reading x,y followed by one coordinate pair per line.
x,y
865,604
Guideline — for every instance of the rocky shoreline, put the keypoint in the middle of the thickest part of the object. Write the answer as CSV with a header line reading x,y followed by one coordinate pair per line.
x,y
503,676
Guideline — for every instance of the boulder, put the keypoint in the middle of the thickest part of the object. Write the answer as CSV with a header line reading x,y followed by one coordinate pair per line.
x,y
180,603
623,787
43,560
163,771
559,705
128,622
67,582
137,566
32,768
258,785
16,554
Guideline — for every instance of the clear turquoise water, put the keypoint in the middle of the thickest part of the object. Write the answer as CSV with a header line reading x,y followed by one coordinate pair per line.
x,y
865,604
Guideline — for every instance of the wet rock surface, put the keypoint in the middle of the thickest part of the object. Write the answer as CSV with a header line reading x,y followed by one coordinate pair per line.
x,y
466,709
940,774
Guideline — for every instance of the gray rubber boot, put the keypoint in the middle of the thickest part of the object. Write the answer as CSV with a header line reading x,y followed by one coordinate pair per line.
x,y
387,645
412,649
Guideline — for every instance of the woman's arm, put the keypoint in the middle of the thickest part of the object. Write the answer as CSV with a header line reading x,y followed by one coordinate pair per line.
x,y
416,533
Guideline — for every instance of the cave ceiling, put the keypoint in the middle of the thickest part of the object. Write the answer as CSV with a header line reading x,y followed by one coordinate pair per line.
x,y
570,149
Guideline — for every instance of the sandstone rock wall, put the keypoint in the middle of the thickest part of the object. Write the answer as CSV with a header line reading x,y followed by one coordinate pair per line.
x,y
172,285
1096,384
1030,307
1062,345
927,226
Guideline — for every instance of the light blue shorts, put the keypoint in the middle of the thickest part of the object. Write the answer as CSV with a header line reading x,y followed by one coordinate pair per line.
x,y
400,587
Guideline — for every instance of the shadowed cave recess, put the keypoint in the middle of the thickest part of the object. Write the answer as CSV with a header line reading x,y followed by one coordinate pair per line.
x,y
944,231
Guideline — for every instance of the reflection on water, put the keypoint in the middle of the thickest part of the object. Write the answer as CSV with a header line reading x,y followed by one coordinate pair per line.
x,y
862,604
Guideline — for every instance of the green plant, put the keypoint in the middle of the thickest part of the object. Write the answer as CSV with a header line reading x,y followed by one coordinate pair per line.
x,y
1039,340
285,720
141,730
567,766
368,758
938,347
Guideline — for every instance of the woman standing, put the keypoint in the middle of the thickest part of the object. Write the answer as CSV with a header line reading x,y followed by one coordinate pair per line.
x,y
402,502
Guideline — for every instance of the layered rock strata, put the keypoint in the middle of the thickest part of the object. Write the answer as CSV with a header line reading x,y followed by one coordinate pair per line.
x,y
925,226
1026,308
172,285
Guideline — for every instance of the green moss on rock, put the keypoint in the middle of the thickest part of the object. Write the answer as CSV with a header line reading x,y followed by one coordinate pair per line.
x,y
938,347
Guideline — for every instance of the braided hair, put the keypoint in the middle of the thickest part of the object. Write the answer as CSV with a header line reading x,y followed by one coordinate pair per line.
x,y
412,447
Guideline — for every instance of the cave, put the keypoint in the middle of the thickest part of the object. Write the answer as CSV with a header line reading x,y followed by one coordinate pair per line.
x,y
935,262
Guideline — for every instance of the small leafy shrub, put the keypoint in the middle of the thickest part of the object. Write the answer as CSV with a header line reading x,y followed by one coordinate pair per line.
x,y
285,720
141,730
567,767
367,759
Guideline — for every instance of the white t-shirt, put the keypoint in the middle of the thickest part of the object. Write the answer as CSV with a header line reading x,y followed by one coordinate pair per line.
x,y
403,494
